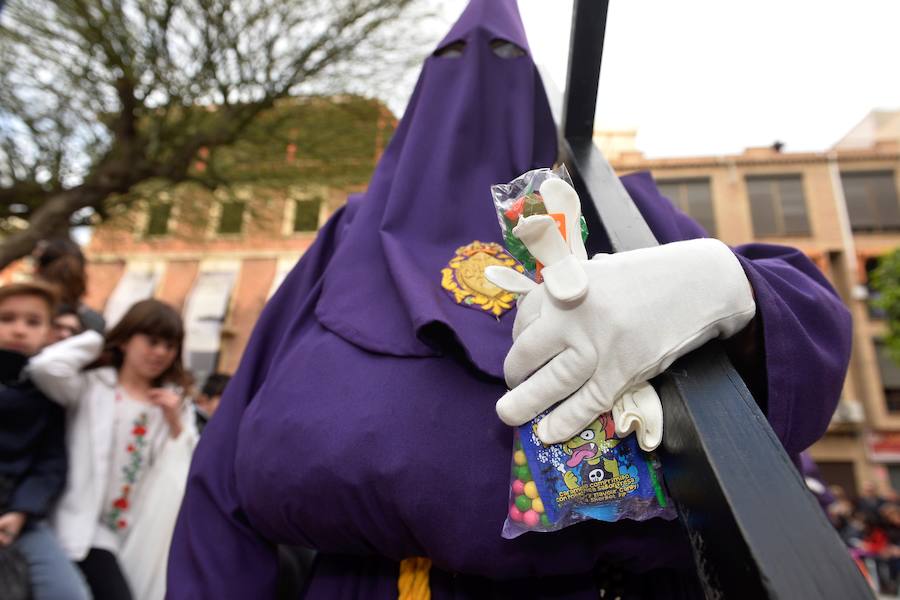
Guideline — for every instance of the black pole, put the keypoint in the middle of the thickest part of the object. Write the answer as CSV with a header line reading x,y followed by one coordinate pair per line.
x,y
585,56
755,529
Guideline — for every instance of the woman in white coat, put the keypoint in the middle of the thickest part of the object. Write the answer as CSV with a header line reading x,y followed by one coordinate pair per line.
x,y
130,435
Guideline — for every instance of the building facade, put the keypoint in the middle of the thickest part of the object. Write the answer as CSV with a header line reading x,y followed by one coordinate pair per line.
x,y
217,256
841,209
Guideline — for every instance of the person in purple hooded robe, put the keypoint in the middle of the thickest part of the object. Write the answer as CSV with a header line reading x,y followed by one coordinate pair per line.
x,y
362,422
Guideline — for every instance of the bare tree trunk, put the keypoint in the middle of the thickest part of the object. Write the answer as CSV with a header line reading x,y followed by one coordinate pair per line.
x,y
120,171
113,91
49,220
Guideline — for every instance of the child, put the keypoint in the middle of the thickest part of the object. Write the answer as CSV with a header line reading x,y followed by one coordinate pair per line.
x,y
32,447
60,262
65,324
207,401
125,415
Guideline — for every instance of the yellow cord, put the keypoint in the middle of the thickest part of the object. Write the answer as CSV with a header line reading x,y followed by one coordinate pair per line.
x,y
412,583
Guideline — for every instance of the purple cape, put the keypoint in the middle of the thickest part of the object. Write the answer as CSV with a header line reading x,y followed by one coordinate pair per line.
x,y
361,421
473,120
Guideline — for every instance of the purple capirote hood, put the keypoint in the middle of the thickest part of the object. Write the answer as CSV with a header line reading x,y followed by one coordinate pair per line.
x,y
474,119
500,18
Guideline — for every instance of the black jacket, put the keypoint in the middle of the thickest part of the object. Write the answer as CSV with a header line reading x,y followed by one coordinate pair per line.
x,y
32,441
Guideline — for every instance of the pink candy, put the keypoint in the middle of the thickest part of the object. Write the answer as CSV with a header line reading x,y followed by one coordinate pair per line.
x,y
518,487
530,517
515,514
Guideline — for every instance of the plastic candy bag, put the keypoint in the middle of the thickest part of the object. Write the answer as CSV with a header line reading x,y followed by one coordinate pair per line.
x,y
521,198
596,474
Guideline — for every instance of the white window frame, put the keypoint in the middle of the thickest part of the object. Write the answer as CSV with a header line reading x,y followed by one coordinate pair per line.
x,y
139,281
204,314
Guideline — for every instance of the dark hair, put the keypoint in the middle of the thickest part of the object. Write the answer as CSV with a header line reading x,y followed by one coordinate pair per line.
x,y
45,292
67,309
150,317
48,251
61,262
215,384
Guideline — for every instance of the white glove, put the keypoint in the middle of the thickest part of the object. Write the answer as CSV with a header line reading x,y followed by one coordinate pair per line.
x,y
639,410
595,330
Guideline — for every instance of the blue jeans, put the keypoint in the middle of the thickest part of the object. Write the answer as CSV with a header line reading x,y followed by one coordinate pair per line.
x,y
53,575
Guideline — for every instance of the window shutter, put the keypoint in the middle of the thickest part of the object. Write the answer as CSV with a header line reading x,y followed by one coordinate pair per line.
x,y
232,217
793,206
306,214
778,205
700,206
693,197
872,202
885,192
158,218
762,207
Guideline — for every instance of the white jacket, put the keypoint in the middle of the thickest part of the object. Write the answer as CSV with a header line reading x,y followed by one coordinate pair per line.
x,y
89,399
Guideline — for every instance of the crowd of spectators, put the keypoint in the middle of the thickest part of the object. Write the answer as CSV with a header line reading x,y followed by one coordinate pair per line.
x,y
94,418
870,526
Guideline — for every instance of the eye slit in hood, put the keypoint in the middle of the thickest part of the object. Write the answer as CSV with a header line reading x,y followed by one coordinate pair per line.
x,y
506,49
451,50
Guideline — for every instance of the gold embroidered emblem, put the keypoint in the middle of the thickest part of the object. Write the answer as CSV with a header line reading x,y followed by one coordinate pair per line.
x,y
464,277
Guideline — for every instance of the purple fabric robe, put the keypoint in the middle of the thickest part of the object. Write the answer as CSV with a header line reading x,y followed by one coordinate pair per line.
x,y
361,421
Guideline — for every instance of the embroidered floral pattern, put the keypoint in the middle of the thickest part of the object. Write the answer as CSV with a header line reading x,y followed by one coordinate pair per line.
x,y
464,277
115,518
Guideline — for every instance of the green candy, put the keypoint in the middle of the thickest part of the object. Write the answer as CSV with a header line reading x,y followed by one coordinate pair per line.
x,y
523,503
545,521
534,205
522,472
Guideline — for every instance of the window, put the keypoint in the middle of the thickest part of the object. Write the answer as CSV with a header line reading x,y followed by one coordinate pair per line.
x,y
231,219
890,376
694,198
282,268
777,205
204,314
306,214
136,284
158,218
871,201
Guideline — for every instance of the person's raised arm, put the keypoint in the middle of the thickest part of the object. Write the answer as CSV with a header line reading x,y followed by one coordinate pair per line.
x,y
58,370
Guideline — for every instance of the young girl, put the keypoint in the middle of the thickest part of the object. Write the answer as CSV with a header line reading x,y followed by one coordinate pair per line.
x,y
126,420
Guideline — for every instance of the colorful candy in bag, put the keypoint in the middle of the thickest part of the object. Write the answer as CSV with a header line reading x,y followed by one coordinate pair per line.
x,y
521,198
596,474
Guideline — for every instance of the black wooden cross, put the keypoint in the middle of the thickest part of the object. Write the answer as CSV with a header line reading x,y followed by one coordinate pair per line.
x,y
755,529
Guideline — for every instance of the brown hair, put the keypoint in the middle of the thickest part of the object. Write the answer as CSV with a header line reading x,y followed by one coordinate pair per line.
x,y
68,275
150,317
45,292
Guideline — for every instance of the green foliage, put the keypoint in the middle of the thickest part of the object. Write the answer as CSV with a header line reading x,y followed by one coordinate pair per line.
x,y
885,280
334,142
99,97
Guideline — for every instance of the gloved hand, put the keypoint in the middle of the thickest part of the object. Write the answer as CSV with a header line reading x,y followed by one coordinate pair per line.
x,y
596,330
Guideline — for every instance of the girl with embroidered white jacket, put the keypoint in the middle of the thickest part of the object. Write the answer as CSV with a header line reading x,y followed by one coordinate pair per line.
x,y
130,436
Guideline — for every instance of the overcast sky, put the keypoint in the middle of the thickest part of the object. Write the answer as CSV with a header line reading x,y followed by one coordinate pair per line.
x,y
697,77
